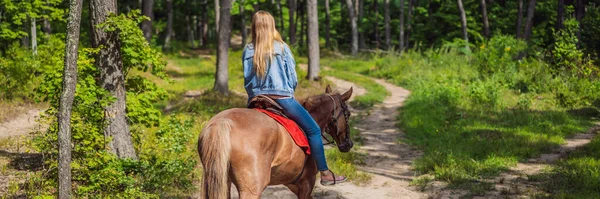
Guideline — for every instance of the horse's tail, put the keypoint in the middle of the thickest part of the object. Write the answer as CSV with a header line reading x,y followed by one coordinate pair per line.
x,y
214,147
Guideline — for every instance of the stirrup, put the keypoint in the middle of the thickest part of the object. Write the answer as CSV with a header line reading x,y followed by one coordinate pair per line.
x,y
335,181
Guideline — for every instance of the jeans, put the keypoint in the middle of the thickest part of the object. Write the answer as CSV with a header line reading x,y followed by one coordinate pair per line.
x,y
296,112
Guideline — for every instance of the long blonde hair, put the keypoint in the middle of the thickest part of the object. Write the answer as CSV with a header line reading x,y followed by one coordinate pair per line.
x,y
263,36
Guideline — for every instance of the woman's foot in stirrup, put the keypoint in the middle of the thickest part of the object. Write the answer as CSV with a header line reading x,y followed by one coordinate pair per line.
x,y
328,178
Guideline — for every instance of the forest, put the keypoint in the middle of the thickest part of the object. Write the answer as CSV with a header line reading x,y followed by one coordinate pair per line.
x,y
504,95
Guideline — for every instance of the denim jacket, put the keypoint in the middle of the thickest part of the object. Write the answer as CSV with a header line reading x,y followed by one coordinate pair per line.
x,y
280,77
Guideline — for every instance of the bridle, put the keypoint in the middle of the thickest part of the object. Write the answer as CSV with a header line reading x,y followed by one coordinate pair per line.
x,y
335,115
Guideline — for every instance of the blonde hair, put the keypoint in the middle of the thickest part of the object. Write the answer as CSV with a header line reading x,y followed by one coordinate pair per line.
x,y
263,36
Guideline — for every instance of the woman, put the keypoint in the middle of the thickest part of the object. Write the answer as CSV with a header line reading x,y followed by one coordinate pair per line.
x,y
269,69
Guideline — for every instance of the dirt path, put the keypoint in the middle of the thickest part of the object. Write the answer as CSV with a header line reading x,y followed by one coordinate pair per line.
x,y
21,125
388,162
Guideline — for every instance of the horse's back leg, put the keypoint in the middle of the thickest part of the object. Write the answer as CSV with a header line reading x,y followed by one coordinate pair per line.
x,y
250,178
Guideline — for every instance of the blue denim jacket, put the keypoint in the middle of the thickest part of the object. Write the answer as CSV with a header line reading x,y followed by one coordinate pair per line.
x,y
280,77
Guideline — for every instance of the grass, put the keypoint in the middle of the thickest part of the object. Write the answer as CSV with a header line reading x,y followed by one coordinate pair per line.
x,y
577,176
469,126
375,92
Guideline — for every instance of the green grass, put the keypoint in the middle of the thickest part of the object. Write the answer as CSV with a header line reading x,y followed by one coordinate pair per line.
x,y
375,92
577,176
469,125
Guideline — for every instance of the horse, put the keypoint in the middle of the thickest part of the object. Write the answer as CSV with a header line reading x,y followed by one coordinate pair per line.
x,y
251,150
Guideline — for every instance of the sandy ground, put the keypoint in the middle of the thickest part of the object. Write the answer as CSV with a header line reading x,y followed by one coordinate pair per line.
x,y
20,125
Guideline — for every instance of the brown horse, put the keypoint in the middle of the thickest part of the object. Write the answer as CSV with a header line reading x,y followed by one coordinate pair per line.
x,y
251,150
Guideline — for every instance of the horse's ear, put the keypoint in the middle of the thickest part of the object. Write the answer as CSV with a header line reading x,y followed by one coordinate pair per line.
x,y
347,94
328,89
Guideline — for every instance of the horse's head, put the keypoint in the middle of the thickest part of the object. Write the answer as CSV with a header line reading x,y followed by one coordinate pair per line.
x,y
337,123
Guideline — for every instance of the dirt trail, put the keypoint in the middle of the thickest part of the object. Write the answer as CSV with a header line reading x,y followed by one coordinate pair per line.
x,y
388,162
21,125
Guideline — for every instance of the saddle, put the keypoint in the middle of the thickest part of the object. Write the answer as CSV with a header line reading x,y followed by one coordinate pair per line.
x,y
266,103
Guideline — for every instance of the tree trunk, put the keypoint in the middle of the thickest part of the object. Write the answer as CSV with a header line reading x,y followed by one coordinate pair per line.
x,y
362,43
33,36
376,25
313,40
244,29
529,23
110,64
411,5
520,20
169,34
388,33
463,23
221,75
204,27
280,12
353,27
401,39
327,25
46,27
25,39
292,24
195,31
484,18
148,11
579,12
217,15
188,24
66,99
560,14
302,17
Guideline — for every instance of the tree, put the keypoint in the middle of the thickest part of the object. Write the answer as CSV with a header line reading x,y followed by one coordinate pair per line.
x,y
560,14
244,29
66,99
359,22
221,75
189,23
411,6
148,11
463,22
33,36
529,23
109,62
327,25
484,18
292,24
217,15
169,30
401,39
313,40
280,12
376,24
520,20
388,33
353,27
204,25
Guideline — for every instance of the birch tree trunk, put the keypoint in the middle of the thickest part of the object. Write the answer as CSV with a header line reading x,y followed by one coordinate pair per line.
x,y
217,15
222,75
66,99
327,25
110,64
169,35
463,23
313,40
388,33
353,27
33,36
401,46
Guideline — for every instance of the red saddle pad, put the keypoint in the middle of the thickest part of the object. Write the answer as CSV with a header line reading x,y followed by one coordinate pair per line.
x,y
292,128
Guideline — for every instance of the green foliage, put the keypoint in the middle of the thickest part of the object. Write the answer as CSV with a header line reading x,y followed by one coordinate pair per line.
x,y
16,14
589,31
165,164
566,57
17,69
497,55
